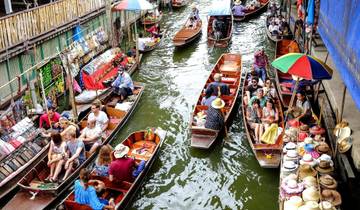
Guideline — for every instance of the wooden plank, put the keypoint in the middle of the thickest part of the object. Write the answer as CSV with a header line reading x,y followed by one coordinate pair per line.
x,y
8,32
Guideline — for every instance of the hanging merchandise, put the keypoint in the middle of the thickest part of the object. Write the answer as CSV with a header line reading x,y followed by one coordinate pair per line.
x,y
77,33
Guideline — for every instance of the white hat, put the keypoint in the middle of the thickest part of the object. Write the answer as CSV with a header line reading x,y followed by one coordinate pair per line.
x,y
327,158
293,203
310,205
289,146
326,205
291,155
120,150
308,140
289,166
307,159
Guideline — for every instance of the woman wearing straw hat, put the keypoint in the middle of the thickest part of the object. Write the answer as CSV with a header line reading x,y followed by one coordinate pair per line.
x,y
215,117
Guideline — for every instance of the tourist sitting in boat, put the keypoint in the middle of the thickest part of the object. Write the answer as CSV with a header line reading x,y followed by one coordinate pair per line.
x,y
208,98
274,29
56,156
102,120
302,110
251,90
155,31
86,194
191,23
217,84
76,153
259,96
253,117
260,63
194,12
270,114
217,27
91,136
215,118
67,126
122,168
123,85
238,9
103,161
50,115
269,90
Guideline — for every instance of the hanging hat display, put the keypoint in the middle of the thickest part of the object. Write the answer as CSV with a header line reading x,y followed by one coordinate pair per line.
x,y
345,144
328,182
324,167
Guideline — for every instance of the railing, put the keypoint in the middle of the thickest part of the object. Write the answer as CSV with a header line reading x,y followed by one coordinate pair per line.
x,y
25,25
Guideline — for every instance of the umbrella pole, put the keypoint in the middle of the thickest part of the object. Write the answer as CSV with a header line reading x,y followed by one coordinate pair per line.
x,y
293,96
137,44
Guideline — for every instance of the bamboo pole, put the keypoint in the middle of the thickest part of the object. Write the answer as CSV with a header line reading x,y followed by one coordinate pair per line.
x,y
342,104
44,97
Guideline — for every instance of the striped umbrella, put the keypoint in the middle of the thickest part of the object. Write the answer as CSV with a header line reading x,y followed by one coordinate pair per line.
x,y
304,66
133,5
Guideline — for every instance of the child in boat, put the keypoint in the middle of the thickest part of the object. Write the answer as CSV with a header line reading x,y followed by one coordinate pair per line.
x,y
76,151
85,194
103,161
91,136
56,156
253,117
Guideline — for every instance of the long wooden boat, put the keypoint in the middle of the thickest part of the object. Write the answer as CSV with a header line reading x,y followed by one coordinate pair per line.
x,y
186,35
151,48
179,3
284,81
268,155
15,165
36,194
275,38
230,66
147,21
122,192
253,13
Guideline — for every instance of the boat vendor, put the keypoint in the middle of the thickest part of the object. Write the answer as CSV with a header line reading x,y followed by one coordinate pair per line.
x,y
224,88
260,63
155,31
302,109
123,84
238,9
194,12
215,118
52,115
143,40
122,168
85,194
102,120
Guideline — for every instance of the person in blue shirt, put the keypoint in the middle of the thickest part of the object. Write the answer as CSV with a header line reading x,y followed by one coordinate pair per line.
x,y
85,194
123,84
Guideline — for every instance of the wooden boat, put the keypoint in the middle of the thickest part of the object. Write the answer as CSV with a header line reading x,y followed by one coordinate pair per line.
x,y
229,65
284,81
15,165
122,192
268,155
220,10
186,35
152,21
36,194
179,3
152,47
253,13
275,38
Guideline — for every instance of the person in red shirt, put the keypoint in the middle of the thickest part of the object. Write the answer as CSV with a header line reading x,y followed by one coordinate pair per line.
x,y
122,167
52,115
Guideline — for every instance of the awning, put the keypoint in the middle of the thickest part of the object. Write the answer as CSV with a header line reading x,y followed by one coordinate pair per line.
x,y
220,8
339,27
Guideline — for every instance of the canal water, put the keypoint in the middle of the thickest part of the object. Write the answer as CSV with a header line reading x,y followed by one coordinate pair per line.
x,y
225,177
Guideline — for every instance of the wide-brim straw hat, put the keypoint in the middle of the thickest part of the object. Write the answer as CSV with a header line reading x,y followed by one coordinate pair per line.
x,y
306,170
310,205
345,144
308,140
289,146
289,166
308,159
310,181
218,103
291,155
328,182
311,194
332,196
193,5
121,150
323,148
317,130
342,132
291,186
293,203
326,205
237,2
324,167
327,158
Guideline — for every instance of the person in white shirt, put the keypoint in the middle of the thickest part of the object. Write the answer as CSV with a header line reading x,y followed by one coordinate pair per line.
x,y
91,135
274,29
102,120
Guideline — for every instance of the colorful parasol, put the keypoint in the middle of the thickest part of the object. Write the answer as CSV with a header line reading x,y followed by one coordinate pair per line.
x,y
133,5
304,66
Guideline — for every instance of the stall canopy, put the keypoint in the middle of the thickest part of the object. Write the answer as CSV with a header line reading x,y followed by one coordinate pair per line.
x,y
339,27
220,8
